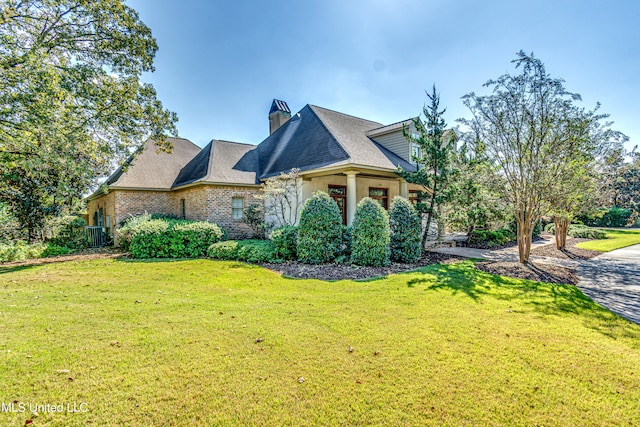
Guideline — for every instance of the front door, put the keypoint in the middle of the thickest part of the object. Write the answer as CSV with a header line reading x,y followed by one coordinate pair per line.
x,y
339,194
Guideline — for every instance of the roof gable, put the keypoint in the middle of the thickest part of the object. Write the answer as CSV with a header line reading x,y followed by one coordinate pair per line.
x,y
154,169
303,142
220,162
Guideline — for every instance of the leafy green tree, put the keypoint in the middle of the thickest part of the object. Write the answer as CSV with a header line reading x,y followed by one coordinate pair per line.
x,y
531,128
475,200
434,159
71,101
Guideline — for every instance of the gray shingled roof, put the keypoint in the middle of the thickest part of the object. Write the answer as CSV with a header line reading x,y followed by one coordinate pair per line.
x,y
154,169
313,138
316,137
220,162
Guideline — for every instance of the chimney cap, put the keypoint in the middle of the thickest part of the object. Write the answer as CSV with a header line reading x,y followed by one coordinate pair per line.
x,y
278,105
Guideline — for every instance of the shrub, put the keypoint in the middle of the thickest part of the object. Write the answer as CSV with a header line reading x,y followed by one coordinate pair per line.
x,y
227,250
69,231
612,217
580,231
196,237
492,238
587,233
21,250
370,242
172,238
254,218
285,240
244,250
128,228
405,231
347,238
319,233
55,250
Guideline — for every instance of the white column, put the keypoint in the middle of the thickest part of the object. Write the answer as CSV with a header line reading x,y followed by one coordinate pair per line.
x,y
351,195
404,188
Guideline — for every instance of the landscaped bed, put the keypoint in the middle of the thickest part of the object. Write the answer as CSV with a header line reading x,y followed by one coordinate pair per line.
x,y
225,343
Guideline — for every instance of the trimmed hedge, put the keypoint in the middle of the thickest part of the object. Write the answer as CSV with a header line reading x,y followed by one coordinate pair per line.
x,y
319,232
405,228
370,242
579,231
492,238
285,240
244,250
172,238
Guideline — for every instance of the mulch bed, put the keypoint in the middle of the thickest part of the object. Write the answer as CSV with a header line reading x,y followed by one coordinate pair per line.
x,y
352,272
538,272
571,251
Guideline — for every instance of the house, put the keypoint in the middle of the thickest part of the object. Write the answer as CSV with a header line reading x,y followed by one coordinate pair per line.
x,y
346,156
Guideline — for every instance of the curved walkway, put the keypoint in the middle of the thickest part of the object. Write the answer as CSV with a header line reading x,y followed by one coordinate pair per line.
x,y
611,279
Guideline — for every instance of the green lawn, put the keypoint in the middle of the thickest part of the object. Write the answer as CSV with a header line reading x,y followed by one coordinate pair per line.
x,y
221,343
616,239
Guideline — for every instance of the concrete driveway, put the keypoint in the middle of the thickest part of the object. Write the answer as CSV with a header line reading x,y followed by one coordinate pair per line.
x,y
613,281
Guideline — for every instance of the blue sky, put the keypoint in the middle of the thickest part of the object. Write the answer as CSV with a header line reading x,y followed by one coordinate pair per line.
x,y
221,63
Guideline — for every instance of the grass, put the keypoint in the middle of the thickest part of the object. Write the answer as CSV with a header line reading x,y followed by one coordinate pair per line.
x,y
616,239
201,342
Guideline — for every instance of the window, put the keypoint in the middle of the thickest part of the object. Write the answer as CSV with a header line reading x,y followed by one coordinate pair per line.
x,y
183,209
380,195
237,207
415,150
339,194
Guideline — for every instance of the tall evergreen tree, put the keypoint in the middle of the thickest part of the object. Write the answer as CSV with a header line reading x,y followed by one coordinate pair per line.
x,y
436,147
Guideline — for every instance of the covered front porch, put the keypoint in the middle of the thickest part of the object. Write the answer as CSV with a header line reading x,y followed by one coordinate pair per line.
x,y
348,185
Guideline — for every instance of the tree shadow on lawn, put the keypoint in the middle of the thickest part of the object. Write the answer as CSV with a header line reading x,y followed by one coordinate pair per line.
x,y
547,299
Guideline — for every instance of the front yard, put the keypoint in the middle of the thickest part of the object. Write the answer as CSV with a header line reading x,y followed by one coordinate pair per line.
x,y
616,238
204,342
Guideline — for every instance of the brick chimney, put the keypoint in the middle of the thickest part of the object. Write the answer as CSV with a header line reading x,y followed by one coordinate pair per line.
x,y
278,115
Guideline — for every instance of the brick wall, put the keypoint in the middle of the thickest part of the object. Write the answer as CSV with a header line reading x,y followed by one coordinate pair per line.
x,y
219,208
130,202
202,203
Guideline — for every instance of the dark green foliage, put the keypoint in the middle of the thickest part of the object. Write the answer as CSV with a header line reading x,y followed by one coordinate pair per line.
x,y
405,231
244,250
319,232
128,228
166,238
347,238
73,101
55,250
587,233
579,231
285,240
492,238
612,217
254,218
437,149
370,242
